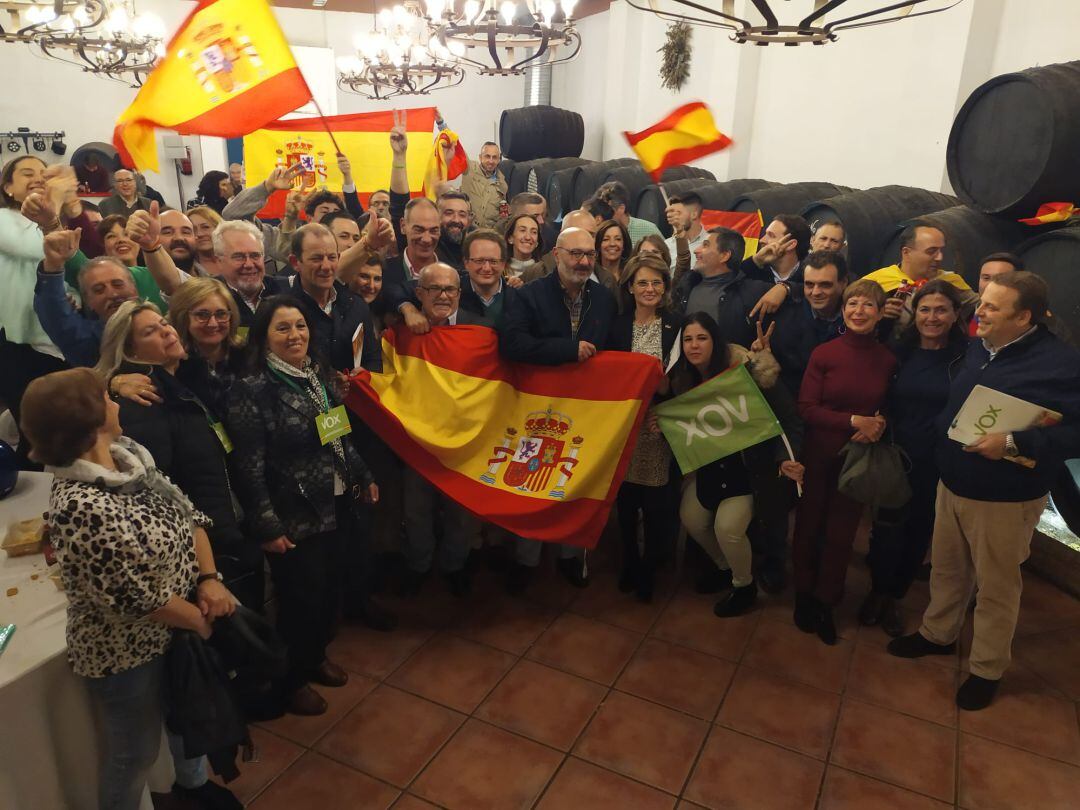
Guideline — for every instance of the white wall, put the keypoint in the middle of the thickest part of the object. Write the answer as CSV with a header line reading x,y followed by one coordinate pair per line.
x,y
873,108
45,94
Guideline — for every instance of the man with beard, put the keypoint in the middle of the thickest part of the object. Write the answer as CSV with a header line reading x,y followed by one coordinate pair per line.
x,y
178,239
455,218
105,284
485,186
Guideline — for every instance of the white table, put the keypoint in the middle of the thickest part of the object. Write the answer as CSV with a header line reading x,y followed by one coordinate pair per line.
x,y
48,748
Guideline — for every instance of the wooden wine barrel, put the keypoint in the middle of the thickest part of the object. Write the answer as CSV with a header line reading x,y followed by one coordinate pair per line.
x,y
507,168
787,198
869,217
715,195
523,172
636,178
969,236
560,192
1056,257
527,133
540,176
1015,143
586,179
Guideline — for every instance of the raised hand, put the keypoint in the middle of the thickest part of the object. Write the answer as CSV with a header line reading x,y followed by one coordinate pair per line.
x,y
59,247
767,254
763,341
770,301
674,219
345,168
399,141
378,233
282,179
144,227
294,201
40,209
61,185
893,307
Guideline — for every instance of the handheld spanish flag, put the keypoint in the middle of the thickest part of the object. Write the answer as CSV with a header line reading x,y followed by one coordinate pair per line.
x,y
226,72
1051,212
438,170
687,134
746,223
538,450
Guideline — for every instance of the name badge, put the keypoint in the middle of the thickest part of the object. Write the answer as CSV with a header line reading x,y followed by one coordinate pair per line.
x,y
333,425
223,436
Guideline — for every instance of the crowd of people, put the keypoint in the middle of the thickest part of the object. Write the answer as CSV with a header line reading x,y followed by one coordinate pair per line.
x,y
182,376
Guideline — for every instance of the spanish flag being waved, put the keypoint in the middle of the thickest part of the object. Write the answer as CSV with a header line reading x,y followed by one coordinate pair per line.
x,y
540,451
226,72
687,134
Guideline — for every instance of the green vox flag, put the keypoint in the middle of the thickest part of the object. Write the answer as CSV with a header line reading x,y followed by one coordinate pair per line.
x,y
717,418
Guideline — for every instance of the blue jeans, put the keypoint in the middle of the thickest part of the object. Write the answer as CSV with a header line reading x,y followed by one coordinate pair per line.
x,y
131,706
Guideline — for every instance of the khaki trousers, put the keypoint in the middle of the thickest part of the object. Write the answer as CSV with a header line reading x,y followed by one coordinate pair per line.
x,y
978,546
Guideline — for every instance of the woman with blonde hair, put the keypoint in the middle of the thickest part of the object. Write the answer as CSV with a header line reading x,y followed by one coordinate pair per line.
x,y
204,219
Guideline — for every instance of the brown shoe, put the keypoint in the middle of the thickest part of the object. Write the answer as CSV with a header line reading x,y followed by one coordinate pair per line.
x,y
330,674
307,702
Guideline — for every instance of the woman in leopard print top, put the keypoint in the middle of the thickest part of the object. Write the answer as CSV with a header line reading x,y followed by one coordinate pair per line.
x,y
131,549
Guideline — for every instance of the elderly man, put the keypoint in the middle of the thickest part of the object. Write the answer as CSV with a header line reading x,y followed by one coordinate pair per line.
x,y
236,177
105,284
439,291
125,198
993,490
922,248
251,200
486,187
617,196
581,220
561,318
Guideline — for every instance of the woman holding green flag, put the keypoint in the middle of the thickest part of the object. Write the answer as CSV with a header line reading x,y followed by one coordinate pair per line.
x,y
718,503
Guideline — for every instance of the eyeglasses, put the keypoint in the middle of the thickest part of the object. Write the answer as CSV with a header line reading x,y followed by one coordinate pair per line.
x,y
578,255
203,316
240,258
436,290
485,262
645,284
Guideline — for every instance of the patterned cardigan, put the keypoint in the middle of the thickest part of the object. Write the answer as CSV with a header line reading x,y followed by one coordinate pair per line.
x,y
283,476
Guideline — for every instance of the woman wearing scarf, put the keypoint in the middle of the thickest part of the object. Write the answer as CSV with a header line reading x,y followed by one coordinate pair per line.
x,y
132,551
297,480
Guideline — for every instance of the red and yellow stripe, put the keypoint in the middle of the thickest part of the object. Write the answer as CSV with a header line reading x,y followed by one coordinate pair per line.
x,y
686,134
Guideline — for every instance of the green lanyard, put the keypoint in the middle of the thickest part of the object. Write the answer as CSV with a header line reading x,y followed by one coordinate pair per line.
x,y
300,391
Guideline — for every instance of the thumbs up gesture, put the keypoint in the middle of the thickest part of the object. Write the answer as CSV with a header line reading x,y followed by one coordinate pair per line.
x,y
144,227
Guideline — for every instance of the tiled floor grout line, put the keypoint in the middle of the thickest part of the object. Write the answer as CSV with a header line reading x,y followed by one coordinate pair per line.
x,y
836,724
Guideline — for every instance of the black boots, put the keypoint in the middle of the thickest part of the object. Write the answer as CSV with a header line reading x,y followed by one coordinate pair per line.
x,y
976,693
813,617
737,601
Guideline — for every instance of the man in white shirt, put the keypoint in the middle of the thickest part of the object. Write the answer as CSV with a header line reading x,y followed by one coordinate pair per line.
x,y
684,216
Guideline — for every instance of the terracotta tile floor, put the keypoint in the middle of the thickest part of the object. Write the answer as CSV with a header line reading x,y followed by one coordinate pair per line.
x,y
568,699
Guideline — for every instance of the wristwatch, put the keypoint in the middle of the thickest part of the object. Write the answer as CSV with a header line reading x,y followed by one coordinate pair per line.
x,y
1010,446
212,575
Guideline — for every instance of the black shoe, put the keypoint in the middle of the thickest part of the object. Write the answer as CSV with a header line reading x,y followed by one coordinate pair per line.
x,y
628,578
738,601
807,612
518,578
826,628
411,582
369,613
645,586
891,619
772,580
713,580
976,693
209,796
459,583
572,570
870,612
917,645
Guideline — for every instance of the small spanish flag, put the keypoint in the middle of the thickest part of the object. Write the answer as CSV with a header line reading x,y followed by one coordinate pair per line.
x,y
226,72
687,134
1051,212
438,170
747,224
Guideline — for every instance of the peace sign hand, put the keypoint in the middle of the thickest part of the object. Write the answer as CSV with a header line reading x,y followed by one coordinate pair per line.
x,y
399,141
764,339
282,179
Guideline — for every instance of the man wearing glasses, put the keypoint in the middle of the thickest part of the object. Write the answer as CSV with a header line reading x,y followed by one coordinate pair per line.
x,y
561,318
484,291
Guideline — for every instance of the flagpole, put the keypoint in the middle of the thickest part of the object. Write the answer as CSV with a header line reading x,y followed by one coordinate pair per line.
x,y
326,126
791,455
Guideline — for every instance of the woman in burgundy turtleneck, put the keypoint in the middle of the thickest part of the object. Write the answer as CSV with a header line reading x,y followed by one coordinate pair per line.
x,y
842,393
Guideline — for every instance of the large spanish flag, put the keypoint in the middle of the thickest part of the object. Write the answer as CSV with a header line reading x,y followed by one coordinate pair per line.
x,y
363,137
540,451
687,134
226,72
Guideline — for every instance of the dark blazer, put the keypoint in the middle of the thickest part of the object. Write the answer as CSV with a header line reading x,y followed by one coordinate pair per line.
x,y
471,302
332,334
272,285
283,475
736,301
621,336
467,318
536,326
794,282
797,334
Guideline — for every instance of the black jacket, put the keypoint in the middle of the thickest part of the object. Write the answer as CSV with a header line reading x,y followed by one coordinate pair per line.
x,y
178,434
470,301
764,274
272,285
283,475
211,385
737,299
796,335
332,334
536,326
1040,369
621,335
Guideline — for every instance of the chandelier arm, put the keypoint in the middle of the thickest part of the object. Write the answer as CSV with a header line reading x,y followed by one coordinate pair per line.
x,y
493,45
765,10
672,17
852,22
818,13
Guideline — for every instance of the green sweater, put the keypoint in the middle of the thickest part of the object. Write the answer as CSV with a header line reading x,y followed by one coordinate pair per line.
x,y
144,281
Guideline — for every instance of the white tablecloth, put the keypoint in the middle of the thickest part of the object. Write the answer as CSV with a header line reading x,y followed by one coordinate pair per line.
x,y
48,747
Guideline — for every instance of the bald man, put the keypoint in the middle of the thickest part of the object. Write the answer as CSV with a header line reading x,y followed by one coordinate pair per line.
x,y
178,238
563,317
578,219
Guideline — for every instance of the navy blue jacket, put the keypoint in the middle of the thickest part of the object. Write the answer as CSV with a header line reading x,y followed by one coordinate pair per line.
x,y
78,337
536,329
1040,369
332,334
797,334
